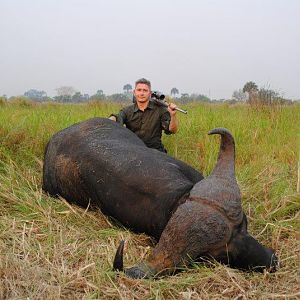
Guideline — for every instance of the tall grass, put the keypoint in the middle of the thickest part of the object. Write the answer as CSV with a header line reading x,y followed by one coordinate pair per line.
x,y
52,250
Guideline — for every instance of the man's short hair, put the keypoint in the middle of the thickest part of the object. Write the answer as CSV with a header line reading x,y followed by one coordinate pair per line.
x,y
143,81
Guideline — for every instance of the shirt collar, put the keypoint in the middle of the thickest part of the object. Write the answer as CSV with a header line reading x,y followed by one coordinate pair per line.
x,y
150,106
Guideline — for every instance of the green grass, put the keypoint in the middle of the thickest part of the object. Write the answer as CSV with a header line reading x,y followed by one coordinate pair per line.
x,y
52,250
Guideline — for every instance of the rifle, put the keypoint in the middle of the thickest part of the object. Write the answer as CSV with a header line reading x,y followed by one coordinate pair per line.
x,y
158,99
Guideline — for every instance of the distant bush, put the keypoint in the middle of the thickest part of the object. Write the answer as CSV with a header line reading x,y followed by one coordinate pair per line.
x,y
267,97
22,101
119,98
3,101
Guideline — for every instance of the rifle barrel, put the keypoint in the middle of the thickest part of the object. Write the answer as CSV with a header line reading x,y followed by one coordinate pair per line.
x,y
166,104
181,110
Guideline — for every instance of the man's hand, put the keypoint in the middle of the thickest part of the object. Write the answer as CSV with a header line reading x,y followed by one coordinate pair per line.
x,y
172,109
113,118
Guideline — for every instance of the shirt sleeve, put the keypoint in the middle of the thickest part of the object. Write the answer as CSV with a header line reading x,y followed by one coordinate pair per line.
x,y
165,122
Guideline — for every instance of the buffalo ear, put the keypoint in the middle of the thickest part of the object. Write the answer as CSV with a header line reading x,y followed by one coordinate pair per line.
x,y
118,261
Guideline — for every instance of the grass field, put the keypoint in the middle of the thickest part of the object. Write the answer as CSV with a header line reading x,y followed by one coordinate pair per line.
x,y
52,250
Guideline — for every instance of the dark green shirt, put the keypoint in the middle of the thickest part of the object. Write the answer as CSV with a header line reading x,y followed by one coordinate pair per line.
x,y
148,124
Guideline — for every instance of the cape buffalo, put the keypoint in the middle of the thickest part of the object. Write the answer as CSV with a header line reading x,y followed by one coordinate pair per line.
x,y
102,164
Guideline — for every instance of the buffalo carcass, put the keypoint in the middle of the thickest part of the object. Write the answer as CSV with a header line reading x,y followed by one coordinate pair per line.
x,y
102,164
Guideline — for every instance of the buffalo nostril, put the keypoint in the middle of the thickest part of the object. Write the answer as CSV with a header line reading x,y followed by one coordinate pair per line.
x,y
136,273
141,271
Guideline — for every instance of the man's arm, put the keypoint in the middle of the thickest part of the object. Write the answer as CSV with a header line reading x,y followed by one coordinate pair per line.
x,y
173,127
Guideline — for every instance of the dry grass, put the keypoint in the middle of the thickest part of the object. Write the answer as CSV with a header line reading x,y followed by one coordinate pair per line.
x,y
52,250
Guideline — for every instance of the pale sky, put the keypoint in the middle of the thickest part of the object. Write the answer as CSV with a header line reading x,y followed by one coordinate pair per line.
x,y
210,47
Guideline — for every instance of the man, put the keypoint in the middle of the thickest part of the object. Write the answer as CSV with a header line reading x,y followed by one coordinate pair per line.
x,y
147,119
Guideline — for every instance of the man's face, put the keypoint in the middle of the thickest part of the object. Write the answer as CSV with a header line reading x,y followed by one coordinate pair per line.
x,y
142,92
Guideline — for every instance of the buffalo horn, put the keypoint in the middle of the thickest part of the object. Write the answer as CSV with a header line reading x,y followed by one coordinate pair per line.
x,y
118,261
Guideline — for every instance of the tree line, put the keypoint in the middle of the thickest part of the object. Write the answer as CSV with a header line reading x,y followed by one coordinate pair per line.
x,y
255,96
250,93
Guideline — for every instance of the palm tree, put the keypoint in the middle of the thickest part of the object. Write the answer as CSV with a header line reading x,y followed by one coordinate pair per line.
x,y
174,91
251,88
127,87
